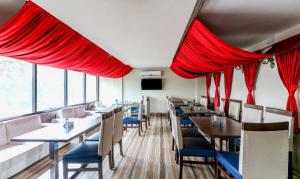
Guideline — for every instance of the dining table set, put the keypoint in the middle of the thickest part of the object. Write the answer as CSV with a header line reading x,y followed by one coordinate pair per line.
x,y
211,124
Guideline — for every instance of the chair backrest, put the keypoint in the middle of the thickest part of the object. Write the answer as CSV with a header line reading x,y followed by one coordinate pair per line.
x,y
118,126
147,106
140,114
106,134
252,113
278,115
234,111
176,129
222,106
66,112
203,101
264,150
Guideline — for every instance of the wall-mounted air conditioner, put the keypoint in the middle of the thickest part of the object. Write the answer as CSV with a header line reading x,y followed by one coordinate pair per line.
x,y
150,74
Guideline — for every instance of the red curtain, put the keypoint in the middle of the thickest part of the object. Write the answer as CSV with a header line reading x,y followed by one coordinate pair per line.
x,y
228,76
202,52
208,81
250,73
35,36
217,77
289,71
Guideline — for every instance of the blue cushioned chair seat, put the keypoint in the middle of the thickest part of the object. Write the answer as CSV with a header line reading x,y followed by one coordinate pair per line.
x,y
190,132
131,120
230,161
85,152
197,147
185,121
94,137
178,110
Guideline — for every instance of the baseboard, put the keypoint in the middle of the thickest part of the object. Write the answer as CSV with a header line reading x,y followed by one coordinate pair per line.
x,y
158,114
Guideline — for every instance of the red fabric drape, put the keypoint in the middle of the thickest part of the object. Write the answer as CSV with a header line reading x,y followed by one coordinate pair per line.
x,y
208,81
202,52
228,76
289,71
35,36
217,77
250,73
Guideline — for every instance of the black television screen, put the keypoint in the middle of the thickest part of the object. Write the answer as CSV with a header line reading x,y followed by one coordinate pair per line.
x,y
151,84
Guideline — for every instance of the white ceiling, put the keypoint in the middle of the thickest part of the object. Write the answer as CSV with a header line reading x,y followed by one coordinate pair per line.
x,y
141,33
146,33
244,23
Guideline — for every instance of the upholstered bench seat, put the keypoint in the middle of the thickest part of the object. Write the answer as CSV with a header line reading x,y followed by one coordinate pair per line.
x,y
196,147
85,152
16,156
230,161
131,120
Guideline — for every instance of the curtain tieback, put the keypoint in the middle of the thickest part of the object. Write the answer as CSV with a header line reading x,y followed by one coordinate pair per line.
x,y
292,90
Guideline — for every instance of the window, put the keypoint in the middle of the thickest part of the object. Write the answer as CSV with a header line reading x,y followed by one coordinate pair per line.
x,y
50,88
15,87
90,88
75,87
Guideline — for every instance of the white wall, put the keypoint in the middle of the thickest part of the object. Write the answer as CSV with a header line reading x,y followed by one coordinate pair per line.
x,y
173,85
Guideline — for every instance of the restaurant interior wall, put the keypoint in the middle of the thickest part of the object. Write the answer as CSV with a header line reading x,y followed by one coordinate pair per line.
x,y
173,85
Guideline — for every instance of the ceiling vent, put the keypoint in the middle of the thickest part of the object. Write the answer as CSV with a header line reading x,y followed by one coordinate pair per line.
x,y
150,74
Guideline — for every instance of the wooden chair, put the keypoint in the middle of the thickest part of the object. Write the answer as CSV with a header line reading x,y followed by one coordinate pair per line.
x,y
118,132
252,114
134,122
146,115
263,153
203,101
235,108
189,146
89,152
278,115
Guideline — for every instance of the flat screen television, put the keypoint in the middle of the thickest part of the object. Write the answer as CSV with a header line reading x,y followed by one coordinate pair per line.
x,y
151,84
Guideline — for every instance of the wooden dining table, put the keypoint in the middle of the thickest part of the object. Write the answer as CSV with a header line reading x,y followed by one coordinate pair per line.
x,y
196,111
54,133
229,130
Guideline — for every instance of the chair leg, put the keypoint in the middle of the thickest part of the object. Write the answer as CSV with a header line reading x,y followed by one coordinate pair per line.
x,y
180,166
173,144
146,124
176,155
139,130
121,148
109,160
113,157
141,125
100,171
65,170
149,121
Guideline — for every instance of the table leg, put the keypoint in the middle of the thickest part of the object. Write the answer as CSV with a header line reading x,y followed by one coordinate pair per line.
x,y
53,154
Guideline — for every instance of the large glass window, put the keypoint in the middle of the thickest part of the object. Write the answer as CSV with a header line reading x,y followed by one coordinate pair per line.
x,y
50,88
75,87
15,87
91,88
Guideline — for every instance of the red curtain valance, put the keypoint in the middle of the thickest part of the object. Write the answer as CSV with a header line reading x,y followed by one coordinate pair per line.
x,y
203,52
35,36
